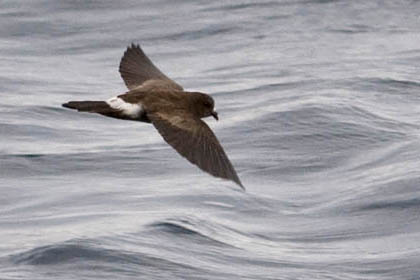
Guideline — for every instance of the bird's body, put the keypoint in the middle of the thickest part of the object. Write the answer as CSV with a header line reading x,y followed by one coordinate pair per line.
x,y
175,113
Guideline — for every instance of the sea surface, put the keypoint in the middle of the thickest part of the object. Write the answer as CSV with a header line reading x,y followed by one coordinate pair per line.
x,y
319,106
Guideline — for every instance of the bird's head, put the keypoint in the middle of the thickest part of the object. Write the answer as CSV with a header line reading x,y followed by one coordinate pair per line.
x,y
204,105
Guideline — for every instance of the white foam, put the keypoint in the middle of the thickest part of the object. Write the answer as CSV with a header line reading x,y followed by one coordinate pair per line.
x,y
129,109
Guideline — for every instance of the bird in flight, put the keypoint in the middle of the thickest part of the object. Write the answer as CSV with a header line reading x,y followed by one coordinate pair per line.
x,y
175,113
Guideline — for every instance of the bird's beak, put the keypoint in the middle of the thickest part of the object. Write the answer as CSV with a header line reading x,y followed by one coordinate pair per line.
x,y
215,115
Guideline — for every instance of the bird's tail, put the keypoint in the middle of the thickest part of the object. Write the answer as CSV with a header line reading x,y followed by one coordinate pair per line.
x,y
100,107
89,106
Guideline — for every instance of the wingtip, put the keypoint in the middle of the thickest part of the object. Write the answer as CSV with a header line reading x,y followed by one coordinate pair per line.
x,y
239,183
242,186
133,46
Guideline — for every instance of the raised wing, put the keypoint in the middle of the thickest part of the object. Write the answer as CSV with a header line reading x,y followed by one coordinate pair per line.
x,y
194,140
136,68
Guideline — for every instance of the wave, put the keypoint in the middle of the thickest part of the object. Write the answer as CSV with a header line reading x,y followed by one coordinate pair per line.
x,y
195,230
390,85
87,251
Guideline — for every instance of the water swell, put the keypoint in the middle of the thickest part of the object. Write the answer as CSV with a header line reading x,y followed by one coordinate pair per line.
x,y
195,230
87,251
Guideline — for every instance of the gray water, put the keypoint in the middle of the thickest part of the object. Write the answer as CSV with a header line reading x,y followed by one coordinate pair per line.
x,y
319,105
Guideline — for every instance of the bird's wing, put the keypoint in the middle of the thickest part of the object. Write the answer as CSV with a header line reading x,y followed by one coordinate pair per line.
x,y
136,68
194,140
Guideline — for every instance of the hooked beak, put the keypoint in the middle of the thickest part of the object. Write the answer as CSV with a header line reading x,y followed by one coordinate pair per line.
x,y
215,115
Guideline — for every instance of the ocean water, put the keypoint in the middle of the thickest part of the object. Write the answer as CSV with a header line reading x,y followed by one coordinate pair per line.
x,y
319,105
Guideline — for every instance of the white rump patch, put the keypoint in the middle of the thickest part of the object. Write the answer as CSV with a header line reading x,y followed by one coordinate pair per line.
x,y
129,109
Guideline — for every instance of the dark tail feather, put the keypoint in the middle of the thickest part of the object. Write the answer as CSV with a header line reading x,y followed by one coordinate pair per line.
x,y
100,107
89,106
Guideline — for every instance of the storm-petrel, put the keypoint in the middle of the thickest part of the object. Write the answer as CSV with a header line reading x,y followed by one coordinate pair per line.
x,y
175,113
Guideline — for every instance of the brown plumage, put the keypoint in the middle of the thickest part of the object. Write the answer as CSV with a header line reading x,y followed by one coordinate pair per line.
x,y
175,113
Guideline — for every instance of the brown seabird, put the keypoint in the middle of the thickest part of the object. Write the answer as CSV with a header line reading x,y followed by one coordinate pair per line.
x,y
175,113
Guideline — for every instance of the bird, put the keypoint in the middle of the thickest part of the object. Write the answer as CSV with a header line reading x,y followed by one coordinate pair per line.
x,y
177,114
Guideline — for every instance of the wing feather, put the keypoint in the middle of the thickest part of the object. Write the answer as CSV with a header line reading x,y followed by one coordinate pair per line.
x,y
194,140
136,68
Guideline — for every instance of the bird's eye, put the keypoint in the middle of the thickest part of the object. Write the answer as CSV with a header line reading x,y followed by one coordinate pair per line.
x,y
207,104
